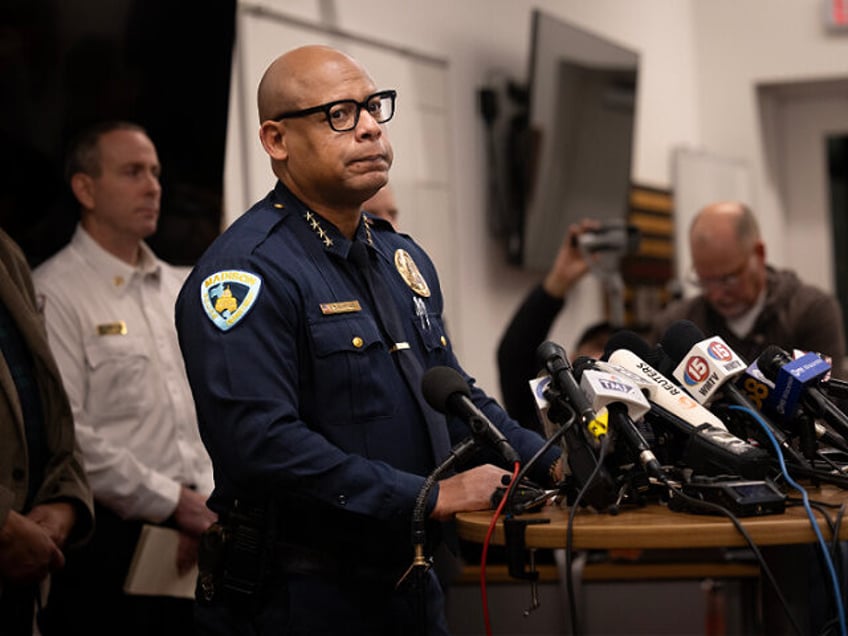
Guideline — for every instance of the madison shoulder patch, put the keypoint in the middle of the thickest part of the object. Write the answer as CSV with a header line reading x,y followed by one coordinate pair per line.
x,y
228,295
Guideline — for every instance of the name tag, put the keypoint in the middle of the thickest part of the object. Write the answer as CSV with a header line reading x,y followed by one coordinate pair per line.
x,y
346,307
112,329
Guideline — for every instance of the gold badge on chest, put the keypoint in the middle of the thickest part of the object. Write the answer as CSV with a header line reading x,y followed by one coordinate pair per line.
x,y
408,270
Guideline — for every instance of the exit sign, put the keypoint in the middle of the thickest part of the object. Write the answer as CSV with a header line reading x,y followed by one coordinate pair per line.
x,y
836,14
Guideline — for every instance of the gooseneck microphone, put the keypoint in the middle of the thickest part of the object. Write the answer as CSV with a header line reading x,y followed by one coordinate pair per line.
x,y
448,392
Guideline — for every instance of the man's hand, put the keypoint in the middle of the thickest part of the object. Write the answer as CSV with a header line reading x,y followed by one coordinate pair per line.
x,y
186,552
468,491
193,518
569,266
192,515
56,518
27,553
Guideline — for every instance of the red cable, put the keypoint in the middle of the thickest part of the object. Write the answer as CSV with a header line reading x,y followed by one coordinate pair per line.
x,y
484,596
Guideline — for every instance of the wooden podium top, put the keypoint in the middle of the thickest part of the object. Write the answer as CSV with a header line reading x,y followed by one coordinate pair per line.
x,y
655,526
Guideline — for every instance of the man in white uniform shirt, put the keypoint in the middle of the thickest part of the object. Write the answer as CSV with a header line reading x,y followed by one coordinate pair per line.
x,y
109,307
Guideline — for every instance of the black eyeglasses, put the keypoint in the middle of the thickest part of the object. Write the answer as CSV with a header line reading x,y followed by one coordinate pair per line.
x,y
343,115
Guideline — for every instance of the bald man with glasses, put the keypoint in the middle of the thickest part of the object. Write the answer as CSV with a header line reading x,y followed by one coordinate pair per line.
x,y
305,329
747,302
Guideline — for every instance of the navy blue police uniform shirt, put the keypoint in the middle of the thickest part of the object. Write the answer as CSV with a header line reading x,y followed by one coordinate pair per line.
x,y
297,395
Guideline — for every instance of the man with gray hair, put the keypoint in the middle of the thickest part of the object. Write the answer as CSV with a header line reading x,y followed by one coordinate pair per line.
x,y
747,302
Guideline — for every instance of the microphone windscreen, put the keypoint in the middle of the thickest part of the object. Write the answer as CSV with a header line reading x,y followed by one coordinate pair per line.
x,y
549,350
771,360
679,339
629,340
439,383
580,365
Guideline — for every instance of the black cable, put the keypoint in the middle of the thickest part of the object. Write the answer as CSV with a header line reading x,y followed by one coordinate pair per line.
x,y
763,566
827,460
509,506
822,475
569,534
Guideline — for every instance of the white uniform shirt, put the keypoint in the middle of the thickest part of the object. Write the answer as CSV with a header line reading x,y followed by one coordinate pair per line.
x,y
111,329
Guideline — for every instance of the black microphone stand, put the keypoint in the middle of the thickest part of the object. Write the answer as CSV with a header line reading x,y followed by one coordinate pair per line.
x,y
515,529
417,571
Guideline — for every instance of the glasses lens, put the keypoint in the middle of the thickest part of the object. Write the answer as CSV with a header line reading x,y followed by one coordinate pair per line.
x,y
342,116
381,107
727,281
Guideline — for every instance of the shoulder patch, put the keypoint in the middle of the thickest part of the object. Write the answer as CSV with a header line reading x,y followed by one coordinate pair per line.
x,y
228,295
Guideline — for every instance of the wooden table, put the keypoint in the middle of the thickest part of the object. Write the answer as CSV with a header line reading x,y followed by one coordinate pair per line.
x,y
655,526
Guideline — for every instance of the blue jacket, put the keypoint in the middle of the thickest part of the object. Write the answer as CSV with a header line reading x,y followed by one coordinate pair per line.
x,y
298,397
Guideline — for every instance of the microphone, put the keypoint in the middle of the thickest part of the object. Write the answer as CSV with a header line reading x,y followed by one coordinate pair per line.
x,y
589,475
654,356
795,381
710,448
835,388
652,366
624,403
762,392
552,357
448,392
707,366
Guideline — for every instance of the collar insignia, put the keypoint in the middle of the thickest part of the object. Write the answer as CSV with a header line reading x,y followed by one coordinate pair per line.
x,y
228,295
408,270
313,222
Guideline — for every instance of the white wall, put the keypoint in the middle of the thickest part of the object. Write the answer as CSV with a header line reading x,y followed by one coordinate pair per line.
x,y
699,63
477,37
743,43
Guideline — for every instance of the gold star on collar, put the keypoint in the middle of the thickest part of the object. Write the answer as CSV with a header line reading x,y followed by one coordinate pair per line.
x,y
367,223
315,224
316,227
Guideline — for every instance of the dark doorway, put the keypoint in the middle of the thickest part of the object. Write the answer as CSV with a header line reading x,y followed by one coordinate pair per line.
x,y
65,64
837,170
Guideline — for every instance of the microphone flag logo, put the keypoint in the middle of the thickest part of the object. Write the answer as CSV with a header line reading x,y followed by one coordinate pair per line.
x,y
719,351
697,370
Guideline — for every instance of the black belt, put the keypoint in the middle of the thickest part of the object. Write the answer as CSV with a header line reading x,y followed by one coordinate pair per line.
x,y
295,559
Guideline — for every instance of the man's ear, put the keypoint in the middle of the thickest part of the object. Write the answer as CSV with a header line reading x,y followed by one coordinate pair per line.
x,y
82,185
272,134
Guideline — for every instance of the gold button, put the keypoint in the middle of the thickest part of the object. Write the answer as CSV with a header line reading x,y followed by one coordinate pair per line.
x,y
119,280
279,206
357,342
444,341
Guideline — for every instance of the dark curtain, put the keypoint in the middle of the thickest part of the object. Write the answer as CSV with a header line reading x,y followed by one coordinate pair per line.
x,y
65,64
